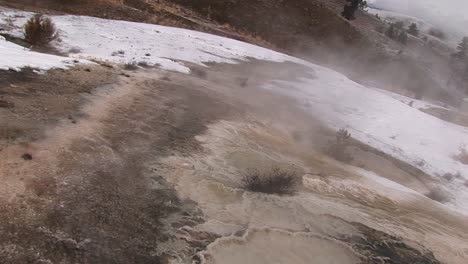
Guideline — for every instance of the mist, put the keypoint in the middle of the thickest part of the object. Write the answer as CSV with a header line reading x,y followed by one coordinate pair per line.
x,y
449,15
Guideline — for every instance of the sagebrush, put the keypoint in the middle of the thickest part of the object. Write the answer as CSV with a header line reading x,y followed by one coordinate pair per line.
x,y
131,66
40,30
275,181
438,195
463,156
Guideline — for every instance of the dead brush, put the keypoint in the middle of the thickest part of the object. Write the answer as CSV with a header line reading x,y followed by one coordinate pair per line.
x,y
276,181
337,148
131,66
199,72
438,195
463,156
40,30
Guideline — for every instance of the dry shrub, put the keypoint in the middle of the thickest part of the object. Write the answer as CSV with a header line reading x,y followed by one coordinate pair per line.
x,y
74,50
452,176
276,181
199,72
337,148
143,64
438,195
463,156
437,33
40,30
131,66
118,53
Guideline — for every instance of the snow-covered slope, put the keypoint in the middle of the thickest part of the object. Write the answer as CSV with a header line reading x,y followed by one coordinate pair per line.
x,y
14,57
385,123
153,44
373,117
382,121
126,42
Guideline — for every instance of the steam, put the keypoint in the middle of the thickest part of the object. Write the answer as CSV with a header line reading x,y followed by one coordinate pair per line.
x,y
449,15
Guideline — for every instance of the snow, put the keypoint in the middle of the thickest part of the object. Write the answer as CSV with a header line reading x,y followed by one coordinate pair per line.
x,y
383,122
368,175
168,47
380,119
418,104
126,42
14,57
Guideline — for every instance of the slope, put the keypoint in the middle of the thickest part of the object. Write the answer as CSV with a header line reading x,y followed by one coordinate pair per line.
x,y
151,168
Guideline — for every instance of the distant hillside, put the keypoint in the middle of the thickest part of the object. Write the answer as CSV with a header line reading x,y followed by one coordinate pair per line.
x,y
311,29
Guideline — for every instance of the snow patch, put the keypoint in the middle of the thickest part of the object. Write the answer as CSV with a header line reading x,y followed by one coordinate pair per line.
x,y
124,42
127,42
14,57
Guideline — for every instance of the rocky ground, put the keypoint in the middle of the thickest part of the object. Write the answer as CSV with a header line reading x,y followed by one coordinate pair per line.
x,y
104,165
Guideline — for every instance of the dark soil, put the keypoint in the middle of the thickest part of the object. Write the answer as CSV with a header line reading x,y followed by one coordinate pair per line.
x,y
106,200
299,25
33,101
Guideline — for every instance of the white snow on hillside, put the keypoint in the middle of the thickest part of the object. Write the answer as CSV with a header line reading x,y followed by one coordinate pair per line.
x,y
383,122
14,57
379,119
153,44
126,42
418,104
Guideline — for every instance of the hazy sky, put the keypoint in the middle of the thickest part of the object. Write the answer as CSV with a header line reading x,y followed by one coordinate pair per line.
x,y
447,14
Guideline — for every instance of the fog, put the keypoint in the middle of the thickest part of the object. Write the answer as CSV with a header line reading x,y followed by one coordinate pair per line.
x,y
450,15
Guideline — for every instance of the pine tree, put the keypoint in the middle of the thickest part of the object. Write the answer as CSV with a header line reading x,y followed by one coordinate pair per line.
x,y
462,49
363,5
391,31
403,37
399,24
350,8
413,29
